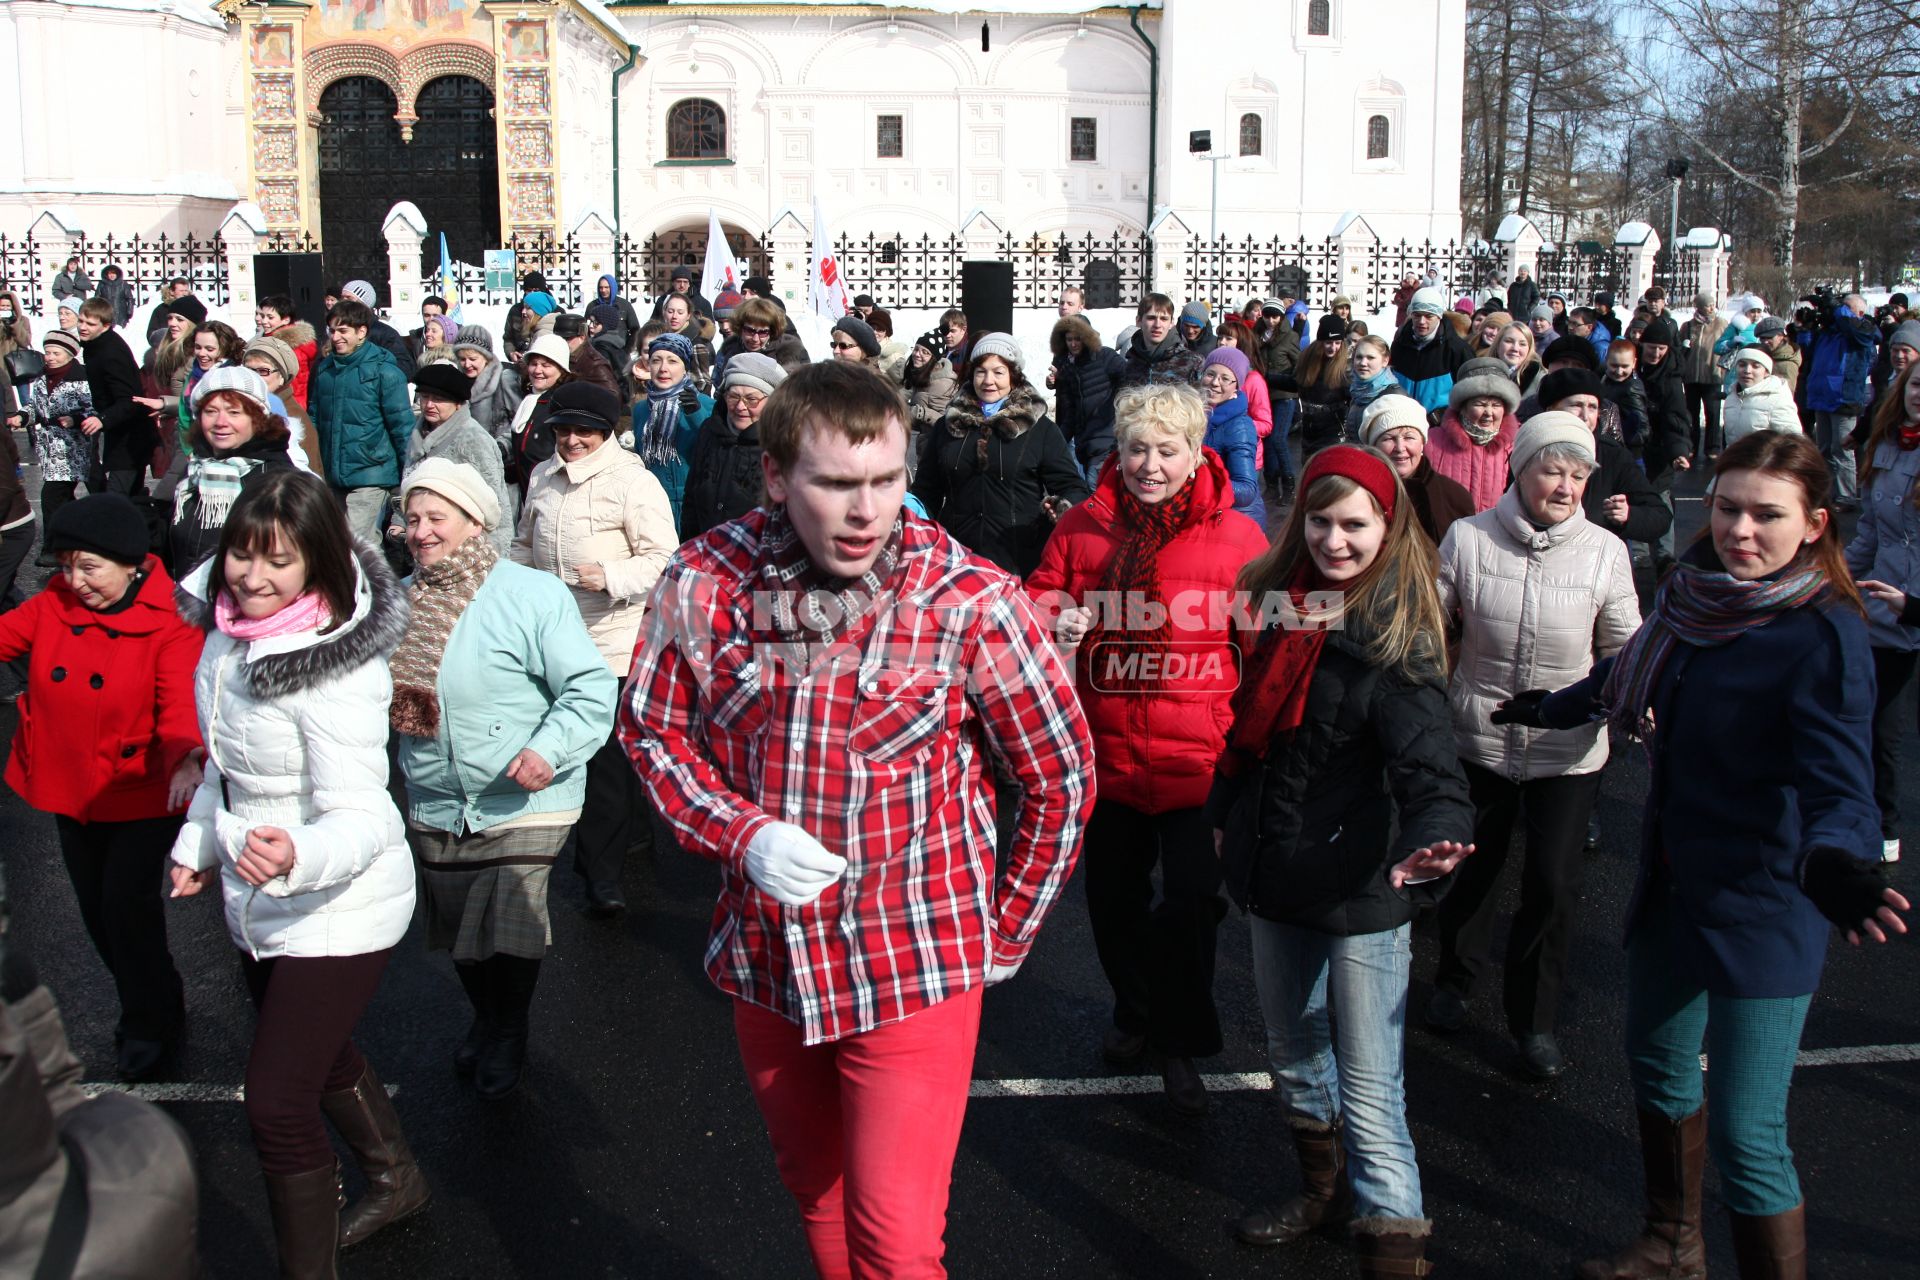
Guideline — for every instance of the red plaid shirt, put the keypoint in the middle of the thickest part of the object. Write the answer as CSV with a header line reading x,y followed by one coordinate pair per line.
x,y
878,748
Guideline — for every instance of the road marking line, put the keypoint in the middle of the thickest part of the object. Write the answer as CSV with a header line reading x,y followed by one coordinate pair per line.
x,y
1038,1086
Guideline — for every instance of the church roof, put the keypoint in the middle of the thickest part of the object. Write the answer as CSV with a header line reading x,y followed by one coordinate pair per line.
x,y
229,9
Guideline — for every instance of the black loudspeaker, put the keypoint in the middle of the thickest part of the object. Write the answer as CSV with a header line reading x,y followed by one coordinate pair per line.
x,y
986,295
299,276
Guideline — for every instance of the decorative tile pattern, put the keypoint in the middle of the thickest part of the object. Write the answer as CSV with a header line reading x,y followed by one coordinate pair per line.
x,y
527,93
529,146
274,151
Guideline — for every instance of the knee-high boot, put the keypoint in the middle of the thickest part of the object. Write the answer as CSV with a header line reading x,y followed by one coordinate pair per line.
x,y
396,1188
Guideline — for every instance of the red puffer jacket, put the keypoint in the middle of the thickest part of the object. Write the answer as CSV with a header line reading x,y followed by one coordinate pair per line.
x,y
1155,746
108,712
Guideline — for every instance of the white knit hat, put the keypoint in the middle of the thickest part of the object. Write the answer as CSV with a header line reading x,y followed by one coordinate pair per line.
x,y
553,347
1543,429
236,378
1754,355
1390,411
360,291
459,483
1429,301
996,344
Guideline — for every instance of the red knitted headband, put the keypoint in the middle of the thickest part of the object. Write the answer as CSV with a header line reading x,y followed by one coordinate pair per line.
x,y
1362,466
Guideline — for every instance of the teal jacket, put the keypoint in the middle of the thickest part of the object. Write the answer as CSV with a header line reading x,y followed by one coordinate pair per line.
x,y
359,406
671,472
518,671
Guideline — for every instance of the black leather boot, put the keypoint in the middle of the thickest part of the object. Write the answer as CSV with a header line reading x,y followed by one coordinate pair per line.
x,y
1325,1199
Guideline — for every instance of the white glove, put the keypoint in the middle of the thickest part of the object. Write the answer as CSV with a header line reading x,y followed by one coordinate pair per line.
x,y
998,973
790,866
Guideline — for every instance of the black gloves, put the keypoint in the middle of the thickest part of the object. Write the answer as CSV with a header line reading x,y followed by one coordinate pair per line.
x,y
1523,709
1846,889
689,400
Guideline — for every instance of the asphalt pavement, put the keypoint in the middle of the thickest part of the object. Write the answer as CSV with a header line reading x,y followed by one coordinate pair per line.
x,y
634,1148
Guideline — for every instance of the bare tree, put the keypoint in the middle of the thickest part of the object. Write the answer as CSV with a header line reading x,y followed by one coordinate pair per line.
x,y
1776,63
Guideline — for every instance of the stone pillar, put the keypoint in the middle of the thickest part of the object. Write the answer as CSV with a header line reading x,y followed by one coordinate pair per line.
x,y
1172,264
1355,245
1519,243
594,244
1640,244
240,234
406,231
55,236
1707,246
788,248
980,239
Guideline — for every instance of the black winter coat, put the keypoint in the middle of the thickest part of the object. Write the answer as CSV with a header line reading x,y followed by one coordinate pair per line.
x,y
1616,472
1083,400
1522,297
115,288
382,334
1667,436
1370,776
723,476
114,380
994,508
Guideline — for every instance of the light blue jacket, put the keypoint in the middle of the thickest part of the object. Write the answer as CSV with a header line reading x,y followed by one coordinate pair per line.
x,y
1886,542
518,671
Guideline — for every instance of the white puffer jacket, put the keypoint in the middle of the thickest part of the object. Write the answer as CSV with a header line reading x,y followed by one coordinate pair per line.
x,y
1767,405
296,734
1537,608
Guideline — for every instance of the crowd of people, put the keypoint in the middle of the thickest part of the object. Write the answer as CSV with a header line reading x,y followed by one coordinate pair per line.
x,y
899,640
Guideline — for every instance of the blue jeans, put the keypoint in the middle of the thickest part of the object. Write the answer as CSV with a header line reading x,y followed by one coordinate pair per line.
x,y
1751,1045
1349,1065
1279,459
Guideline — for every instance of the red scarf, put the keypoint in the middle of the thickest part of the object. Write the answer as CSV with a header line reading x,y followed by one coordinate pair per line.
x,y
1909,435
1134,572
1272,697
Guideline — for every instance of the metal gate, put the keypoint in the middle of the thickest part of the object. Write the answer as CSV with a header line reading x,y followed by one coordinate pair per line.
x,y
449,171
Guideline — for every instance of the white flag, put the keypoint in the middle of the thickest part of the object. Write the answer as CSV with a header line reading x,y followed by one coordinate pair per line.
x,y
722,269
826,291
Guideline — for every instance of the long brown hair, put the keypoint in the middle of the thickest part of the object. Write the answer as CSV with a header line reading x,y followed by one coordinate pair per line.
x,y
1318,371
1394,605
1788,455
298,508
1887,421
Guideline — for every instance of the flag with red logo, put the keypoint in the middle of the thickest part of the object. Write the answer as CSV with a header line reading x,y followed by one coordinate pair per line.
x,y
826,291
722,269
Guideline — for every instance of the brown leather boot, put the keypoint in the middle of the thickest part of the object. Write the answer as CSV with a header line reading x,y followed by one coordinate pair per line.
x,y
306,1218
1392,1246
396,1188
1772,1246
1669,1247
1325,1199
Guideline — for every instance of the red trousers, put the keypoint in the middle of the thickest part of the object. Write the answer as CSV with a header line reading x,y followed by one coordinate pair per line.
x,y
864,1131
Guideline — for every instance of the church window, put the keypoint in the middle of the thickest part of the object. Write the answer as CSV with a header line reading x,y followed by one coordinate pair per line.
x,y
1319,17
1084,139
1379,138
891,137
696,130
1250,134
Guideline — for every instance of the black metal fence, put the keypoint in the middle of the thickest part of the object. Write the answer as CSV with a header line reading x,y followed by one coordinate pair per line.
x,y
923,272
148,262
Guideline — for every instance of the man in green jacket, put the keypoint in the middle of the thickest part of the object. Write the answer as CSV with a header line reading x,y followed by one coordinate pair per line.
x,y
358,402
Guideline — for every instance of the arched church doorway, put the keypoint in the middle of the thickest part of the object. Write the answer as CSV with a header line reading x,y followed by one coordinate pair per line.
x,y
449,170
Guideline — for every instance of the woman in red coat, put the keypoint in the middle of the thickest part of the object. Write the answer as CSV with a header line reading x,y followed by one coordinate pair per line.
x,y
1160,537
105,725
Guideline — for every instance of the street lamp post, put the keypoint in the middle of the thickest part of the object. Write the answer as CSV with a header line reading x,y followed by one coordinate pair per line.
x,y
1200,143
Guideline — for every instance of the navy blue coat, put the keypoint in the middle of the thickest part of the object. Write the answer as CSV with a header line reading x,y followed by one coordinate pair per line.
x,y
1761,754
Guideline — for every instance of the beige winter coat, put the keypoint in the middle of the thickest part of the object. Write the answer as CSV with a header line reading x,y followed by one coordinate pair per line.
x,y
1767,405
605,509
1536,608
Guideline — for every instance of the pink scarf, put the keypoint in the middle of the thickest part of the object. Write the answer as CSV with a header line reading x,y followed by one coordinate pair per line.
x,y
308,613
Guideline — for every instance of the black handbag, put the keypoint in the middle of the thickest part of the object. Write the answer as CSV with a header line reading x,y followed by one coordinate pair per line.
x,y
24,364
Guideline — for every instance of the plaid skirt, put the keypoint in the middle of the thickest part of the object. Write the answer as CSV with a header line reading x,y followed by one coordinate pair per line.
x,y
486,892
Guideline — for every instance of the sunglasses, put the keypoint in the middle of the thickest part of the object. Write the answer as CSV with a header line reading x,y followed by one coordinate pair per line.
x,y
759,331
846,346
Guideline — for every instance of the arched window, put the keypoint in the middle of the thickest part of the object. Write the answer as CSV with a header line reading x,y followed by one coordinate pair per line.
x,y
1250,134
1379,138
1320,18
696,130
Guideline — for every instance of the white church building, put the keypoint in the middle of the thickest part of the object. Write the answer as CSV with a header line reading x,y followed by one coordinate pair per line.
x,y
508,120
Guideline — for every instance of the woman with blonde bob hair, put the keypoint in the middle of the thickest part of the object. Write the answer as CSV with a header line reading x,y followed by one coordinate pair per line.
x,y
1329,726
1160,527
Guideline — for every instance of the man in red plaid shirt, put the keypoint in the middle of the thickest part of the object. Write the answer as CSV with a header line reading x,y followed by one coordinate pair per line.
x,y
822,695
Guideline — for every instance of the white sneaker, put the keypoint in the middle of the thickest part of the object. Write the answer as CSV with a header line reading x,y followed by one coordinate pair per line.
x,y
1889,851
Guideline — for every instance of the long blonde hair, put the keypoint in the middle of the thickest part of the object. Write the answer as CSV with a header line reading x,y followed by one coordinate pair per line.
x,y
1393,608
1318,371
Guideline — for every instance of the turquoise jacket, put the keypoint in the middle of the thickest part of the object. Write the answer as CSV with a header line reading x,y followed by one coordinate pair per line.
x,y
359,406
518,671
671,472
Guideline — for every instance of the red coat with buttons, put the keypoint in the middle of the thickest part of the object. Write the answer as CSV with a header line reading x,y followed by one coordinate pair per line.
x,y
1154,746
108,712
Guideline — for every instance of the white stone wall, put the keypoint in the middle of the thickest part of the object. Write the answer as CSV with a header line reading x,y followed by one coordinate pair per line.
x,y
583,120
145,144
